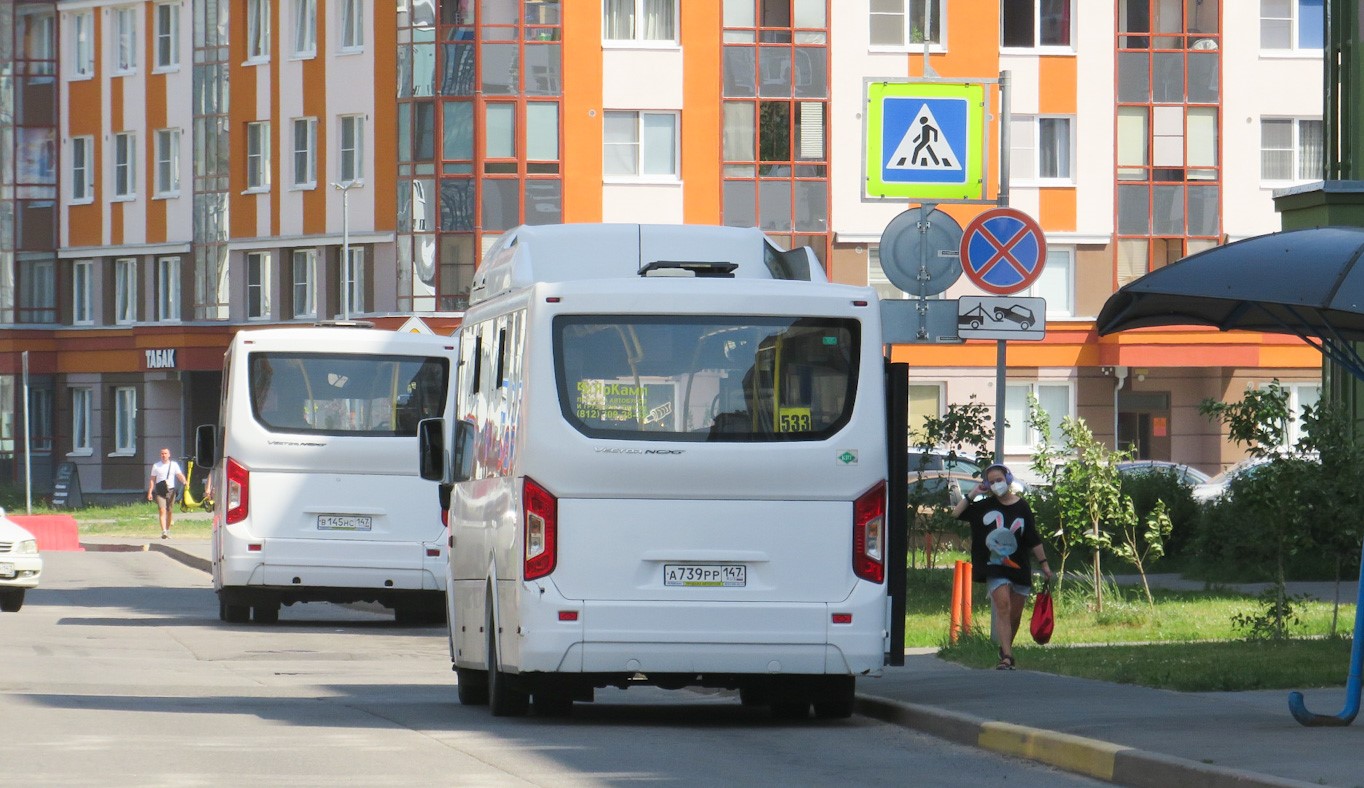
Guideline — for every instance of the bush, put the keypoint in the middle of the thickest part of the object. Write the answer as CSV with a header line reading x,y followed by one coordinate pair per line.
x,y
1145,489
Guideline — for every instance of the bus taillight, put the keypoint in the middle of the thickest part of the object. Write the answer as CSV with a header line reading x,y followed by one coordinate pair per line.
x,y
542,529
869,531
238,491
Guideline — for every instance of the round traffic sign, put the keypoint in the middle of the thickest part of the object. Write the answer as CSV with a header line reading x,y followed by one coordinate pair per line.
x,y
1003,250
919,251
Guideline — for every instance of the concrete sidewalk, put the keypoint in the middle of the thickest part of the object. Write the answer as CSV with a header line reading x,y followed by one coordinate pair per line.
x,y
1126,734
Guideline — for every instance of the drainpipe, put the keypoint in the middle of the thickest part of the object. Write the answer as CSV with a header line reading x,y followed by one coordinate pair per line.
x,y
1120,375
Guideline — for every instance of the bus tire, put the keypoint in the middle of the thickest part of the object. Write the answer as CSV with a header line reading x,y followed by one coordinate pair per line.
x,y
472,686
266,614
755,694
552,703
234,614
504,699
790,699
835,698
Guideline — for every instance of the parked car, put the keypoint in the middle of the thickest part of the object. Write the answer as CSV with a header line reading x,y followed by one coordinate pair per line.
x,y
1216,487
1186,474
935,488
939,459
20,564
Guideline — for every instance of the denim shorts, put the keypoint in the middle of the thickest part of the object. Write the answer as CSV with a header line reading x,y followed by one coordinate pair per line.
x,y
995,582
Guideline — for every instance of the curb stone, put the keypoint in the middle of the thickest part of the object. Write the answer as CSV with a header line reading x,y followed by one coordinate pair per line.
x,y
1102,760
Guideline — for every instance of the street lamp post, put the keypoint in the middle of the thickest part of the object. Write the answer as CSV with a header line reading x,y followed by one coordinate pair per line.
x,y
345,188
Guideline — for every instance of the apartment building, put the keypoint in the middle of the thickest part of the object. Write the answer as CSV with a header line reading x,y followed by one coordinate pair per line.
x,y
183,169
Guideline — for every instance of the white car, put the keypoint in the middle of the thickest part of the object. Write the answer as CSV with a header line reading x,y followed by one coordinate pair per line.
x,y
20,564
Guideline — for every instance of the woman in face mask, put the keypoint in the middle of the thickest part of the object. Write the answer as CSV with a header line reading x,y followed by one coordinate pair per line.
x,y
1003,534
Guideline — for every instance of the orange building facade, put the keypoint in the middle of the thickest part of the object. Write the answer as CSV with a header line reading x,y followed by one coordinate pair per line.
x,y
211,165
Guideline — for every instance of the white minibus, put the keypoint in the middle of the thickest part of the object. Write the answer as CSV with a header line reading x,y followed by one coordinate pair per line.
x,y
318,495
666,462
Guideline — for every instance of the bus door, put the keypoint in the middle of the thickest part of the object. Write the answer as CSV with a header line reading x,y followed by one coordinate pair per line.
x,y
897,520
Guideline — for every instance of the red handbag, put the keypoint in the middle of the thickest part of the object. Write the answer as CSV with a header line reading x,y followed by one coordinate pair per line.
x,y
1043,616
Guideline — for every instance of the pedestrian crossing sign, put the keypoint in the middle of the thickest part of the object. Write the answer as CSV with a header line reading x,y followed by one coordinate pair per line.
x,y
925,140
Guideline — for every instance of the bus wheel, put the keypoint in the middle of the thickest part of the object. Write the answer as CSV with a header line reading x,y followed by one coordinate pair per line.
x,y
234,614
472,685
505,700
265,614
755,694
552,704
835,697
790,699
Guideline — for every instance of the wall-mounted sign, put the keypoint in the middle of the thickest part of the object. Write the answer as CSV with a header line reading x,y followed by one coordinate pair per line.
x,y
163,358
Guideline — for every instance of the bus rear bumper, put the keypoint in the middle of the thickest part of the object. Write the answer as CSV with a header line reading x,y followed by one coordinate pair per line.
x,y
737,638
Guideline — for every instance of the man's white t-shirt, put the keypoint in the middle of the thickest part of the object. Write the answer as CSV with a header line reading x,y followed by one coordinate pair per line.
x,y
167,472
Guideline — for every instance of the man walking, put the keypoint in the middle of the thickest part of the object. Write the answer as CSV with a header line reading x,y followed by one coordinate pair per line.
x,y
161,488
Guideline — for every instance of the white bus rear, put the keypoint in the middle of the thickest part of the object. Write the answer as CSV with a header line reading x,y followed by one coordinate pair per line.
x,y
318,494
675,477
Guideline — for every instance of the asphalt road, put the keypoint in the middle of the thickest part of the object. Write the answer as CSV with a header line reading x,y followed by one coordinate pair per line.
x,y
118,672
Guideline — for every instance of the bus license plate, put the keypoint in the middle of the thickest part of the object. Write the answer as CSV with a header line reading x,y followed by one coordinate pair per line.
x,y
6,570
705,575
344,522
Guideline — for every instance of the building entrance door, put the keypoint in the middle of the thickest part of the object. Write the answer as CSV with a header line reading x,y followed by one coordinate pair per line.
x,y
1144,424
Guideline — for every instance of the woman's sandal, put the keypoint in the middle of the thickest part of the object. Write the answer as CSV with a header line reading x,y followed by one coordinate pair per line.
x,y
1005,663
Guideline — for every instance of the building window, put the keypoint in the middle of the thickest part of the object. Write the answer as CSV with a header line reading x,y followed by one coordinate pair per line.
x,y
80,420
168,289
167,162
1040,149
125,165
125,41
1035,23
1290,25
1291,149
82,189
1054,398
352,148
1056,283
125,420
125,291
901,23
639,20
37,292
925,402
81,278
353,280
305,152
352,25
305,28
305,277
257,31
167,35
40,419
1300,395
258,156
258,286
877,279
83,44
640,144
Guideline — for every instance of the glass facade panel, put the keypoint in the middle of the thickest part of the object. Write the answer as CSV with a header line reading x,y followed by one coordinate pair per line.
x,y
457,205
1168,210
1134,77
741,204
501,204
1134,209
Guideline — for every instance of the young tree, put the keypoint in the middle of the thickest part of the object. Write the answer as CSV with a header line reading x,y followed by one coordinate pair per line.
x,y
965,427
1085,491
1337,496
1138,542
1280,495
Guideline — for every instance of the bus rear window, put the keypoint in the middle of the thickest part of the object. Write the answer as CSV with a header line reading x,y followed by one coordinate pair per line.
x,y
346,394
711,378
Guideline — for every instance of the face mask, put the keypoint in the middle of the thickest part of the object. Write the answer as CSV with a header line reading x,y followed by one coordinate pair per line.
x,y
999,488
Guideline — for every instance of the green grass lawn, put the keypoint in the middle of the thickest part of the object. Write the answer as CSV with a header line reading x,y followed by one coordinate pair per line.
x,y
1185,642
130,521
